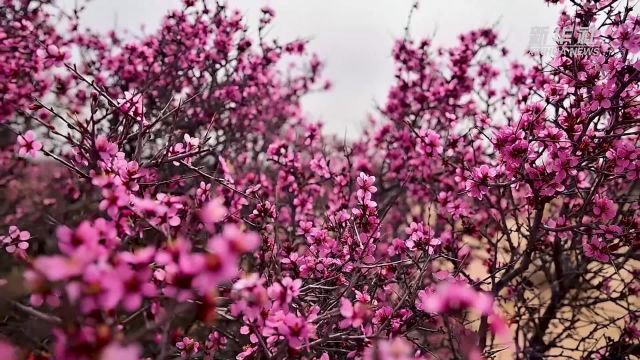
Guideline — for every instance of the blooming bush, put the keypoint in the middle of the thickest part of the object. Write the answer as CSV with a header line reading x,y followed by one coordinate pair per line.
x,y
164,197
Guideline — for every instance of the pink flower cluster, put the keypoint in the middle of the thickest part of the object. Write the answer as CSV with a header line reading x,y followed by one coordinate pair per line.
x,y
16,240
453,296
186,207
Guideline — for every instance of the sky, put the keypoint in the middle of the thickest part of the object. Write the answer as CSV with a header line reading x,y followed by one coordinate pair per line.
x,y
353,37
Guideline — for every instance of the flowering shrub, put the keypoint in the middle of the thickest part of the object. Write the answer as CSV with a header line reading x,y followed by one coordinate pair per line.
x,y
164,197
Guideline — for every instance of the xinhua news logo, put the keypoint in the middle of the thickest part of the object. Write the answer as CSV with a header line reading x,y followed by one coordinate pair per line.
x,y
569,41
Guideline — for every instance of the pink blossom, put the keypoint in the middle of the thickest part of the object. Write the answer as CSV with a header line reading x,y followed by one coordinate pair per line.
x,y
238,241
396,349
105,148
603,208
365,183
136,286
179,269
354,315
98,289
296,330
85,237
431,143
250,296
596,249
114,200
28,145
116,351
188,347
7,351
451,296
16,240
57,267
215,341
478,185
284,292
219,264
131,104
601,97
231,217
213,211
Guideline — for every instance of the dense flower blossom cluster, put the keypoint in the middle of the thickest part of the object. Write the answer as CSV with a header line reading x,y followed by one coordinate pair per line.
x,y
164,197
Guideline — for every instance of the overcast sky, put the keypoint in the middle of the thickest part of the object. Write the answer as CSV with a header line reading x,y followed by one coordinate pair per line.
x,y
354,37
